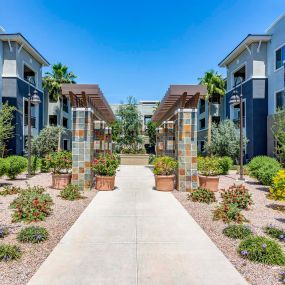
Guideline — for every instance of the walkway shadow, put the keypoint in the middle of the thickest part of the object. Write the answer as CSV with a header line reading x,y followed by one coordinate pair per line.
x,y
149,166
280,220
276,207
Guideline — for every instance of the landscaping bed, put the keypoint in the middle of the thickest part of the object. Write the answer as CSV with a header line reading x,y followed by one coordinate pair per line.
x,y
261,214
64,214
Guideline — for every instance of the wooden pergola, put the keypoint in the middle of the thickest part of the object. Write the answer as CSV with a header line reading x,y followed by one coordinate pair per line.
x,y
89,95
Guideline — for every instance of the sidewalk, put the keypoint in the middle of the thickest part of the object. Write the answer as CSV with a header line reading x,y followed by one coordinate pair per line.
x,y
136,235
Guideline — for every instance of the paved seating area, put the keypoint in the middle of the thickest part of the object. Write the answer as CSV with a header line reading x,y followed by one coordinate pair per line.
x,y
136,235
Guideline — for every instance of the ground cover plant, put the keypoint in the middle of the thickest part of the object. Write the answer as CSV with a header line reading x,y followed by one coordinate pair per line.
x,y
3,232
237,231
262,250
31,205
263,168
9,252
10,190
32,235
275,233
228,213
237,195
202,195
71,193
15,166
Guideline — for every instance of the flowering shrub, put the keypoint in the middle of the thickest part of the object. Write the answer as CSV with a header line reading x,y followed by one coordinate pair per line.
x,y
277,190
71,193
164,165
202,195
228,213
237,231
210,166
237,195
3,232
9,252
106,165
31,205
15,165
262,250
10,190
275,233
60,162
32,234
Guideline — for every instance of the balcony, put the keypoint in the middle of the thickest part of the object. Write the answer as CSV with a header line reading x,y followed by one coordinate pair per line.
x,y
33,121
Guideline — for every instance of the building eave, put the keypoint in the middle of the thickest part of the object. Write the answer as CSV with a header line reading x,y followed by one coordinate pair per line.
x,y
249,39
19,38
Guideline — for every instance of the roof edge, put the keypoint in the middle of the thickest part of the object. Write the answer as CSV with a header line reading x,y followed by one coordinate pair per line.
x,y
275,22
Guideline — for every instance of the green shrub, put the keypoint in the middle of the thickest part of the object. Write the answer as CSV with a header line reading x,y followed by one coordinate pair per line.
x,y
31,205
10,190
237,231
277,190
210,166
165,165
45,165
237,195
263,168
32,234
202,195
60,162
151,158
226,163
275,233
228,213
35,164
15,166
262,250
3,232
3,166
9,252
71,193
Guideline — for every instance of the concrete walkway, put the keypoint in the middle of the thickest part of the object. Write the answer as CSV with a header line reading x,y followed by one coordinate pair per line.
x,y
135,235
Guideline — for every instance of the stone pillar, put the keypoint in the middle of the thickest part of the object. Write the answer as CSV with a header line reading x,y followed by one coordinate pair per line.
x,y
169,138
99,134
186,149
82,147
159,146
108,140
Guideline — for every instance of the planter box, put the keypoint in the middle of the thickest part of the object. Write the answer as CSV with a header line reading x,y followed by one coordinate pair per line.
x,y
60,181
105,183
164,183
209,182
134,159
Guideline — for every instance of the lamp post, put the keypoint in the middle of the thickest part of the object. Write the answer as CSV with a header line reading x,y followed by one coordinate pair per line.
x,y
235,98
35,100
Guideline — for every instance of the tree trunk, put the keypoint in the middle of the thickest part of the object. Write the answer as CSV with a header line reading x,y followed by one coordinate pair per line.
x,y
209,122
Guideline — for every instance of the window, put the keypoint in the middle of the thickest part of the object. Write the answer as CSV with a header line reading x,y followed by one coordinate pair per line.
x,y
202,124
202,106
33,114
216,119
65,144
239,76
53,120
279,100
279,57
147,119
65,104
51,99
65,122
216,99
29,75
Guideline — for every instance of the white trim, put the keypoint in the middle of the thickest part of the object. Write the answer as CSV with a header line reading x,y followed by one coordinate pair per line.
x,y
248,49
10,47
19,50
275,22
282,66
275,93
259,46
244,64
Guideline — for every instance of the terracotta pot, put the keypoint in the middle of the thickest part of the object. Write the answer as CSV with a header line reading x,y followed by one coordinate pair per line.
x,y
164,182
209,182
105,183
60,181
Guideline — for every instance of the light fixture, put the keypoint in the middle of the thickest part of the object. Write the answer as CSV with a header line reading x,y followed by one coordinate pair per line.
x,y
35,99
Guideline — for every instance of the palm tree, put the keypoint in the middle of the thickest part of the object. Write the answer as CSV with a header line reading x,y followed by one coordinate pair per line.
x,y
52,82
215,87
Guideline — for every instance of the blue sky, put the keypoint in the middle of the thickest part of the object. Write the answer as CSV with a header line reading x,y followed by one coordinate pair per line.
x,y
137,48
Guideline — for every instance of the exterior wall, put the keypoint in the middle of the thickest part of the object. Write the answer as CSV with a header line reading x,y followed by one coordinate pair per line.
x,y
14,92
1,70
275,77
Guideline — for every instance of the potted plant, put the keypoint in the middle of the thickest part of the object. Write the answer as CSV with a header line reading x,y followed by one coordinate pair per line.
x,y
61,163
105,167
209,169
164,173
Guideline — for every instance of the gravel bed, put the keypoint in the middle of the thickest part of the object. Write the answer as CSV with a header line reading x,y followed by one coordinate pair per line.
x,y
65,213
260,215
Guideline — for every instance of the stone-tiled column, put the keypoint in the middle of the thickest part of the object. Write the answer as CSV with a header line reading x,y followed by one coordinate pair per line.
x,y
186,149
169,138
82,147
99,134
159,147
108,140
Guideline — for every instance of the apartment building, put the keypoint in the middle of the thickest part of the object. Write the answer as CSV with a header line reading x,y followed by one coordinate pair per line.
x,y
21,72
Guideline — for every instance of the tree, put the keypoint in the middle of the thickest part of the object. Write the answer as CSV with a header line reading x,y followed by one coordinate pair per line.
x,y
225,140
278,131
52,84
215,87
6,126
151,132
130,126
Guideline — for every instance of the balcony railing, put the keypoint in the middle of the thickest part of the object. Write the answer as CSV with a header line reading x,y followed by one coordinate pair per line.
x,y
33,121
